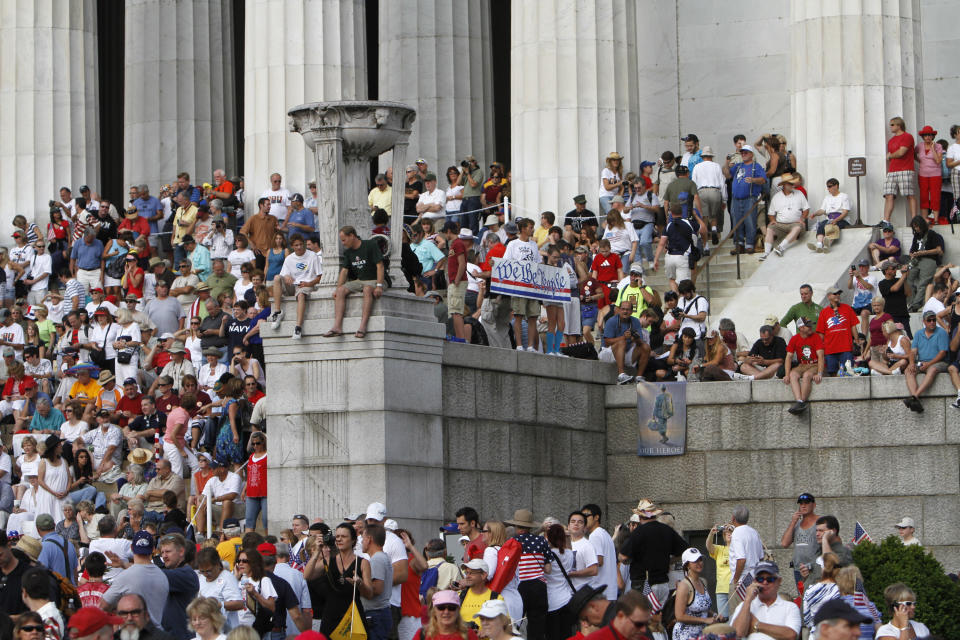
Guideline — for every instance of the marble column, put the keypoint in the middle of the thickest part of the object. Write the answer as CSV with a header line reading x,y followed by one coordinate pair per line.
x,y
435,56
179,93
572,101
49,123
856,65
297,51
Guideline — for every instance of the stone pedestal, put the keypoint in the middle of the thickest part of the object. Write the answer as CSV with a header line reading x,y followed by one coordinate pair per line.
x,y
435,55
178,91
855,66
297,51
355,421
343,137
568,106
49,129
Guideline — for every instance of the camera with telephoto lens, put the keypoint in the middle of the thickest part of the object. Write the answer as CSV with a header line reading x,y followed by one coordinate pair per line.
x,y
53,206
464,164
328,539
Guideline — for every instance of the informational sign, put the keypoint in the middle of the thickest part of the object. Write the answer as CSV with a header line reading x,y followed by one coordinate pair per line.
x,y
662,410
856,167
530,280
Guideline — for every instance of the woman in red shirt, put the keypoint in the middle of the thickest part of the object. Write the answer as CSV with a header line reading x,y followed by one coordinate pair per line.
x,y
445,621
257,481
132,279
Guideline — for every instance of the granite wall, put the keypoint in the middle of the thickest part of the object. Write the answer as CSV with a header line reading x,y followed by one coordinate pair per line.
x,y
522,430
858,449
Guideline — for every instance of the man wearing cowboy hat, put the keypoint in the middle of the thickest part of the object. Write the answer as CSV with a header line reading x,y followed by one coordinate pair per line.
x,y
901,177
787,216
649,548
712,189
531,585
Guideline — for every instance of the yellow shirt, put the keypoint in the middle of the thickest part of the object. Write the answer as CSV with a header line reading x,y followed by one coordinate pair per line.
x,y
472,602
540,235
382,199
721,553
185,216
88,392
227,550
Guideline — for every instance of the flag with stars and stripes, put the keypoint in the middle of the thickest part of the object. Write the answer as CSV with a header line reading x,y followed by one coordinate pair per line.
x,y
745,581
860,534
652,597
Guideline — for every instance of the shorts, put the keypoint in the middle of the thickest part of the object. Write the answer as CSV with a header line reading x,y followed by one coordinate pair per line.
x,y
784,227
588,315
456,298
525,307
571,317
903,182
803,368
939,367
292,289
356,286
677,267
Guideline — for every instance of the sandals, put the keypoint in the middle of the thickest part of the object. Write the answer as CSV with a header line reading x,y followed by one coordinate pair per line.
x,y
332,334
360,334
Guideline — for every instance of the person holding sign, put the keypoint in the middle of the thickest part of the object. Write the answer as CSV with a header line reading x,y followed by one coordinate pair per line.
x,y
523,249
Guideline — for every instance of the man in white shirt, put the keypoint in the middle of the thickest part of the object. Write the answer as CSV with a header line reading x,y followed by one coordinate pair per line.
x,y
108,543
298,276
393,547
836,207
524,249
604,548
746,548
432,201
11,334
712,189
585,565
279,198
763,614
905,529
226,489
787,216
41,266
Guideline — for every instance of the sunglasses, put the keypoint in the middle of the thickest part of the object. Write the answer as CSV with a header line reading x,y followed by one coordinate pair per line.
x,y
484,530
446,607
907,603
32,627
241,561
129,612
766,579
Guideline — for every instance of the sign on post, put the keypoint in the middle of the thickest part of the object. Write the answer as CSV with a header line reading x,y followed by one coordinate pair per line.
x,y
856,167
530,280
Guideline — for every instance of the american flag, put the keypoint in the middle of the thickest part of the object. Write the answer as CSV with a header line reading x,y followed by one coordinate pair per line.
x,y
652,597
745,581
860,534
860,594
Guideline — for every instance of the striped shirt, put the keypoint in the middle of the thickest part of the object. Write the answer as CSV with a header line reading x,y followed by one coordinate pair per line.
x,y
75,289
33,232
535,549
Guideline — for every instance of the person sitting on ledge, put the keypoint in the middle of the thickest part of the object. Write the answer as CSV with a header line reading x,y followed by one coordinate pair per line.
x,y
361,270
808,348
300,273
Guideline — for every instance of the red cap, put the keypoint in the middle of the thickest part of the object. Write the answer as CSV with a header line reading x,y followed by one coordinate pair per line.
x,y
266,549
89,620
96,289
311,635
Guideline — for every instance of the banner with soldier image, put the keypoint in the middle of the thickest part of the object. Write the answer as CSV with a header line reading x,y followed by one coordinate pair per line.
x,y
662,410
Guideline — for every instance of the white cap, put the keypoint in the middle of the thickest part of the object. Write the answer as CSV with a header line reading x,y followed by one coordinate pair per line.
x,y
463,539
905,522
691,555
478,564
390,524
492,609
746,147
376,511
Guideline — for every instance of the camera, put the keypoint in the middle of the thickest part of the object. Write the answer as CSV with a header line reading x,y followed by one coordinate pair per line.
x,y
328,539
675,312
464,164
53,208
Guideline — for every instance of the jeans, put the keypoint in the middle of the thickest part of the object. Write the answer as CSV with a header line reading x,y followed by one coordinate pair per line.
x,y
89,493
835,361
605,204
747,232
645,245
378,623
626,261
179,255
255,506
722,604
470,214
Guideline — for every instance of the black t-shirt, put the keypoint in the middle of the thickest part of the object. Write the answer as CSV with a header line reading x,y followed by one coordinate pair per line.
x,y
210,323
577,219
931,241
157,421
680,235
362,262
236,330
410,204
286,599
10,596
649,547
894,302
777,349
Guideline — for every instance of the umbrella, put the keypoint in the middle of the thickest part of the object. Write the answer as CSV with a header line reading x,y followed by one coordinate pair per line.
x,y
92,368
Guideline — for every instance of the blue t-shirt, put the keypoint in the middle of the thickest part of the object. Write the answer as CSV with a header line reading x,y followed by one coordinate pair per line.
x,y
147,209
695,158
263,315
929,346
741,188
304,216
427,253
616,327
87,255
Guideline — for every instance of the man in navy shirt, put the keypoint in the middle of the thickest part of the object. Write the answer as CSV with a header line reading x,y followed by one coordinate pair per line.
x,y
747,180
678,240
183,584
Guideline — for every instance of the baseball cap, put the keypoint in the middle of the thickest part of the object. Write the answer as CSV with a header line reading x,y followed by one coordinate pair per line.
x,y
618,199
771,320
142,543
747,147
421,161
446,597
904,522
929,313
376,511
635,518
88,620
766,567
478,564
836,290
636,267
130,381
580,199
886,226
806,497
296,198
44,521
267,549
390,524
839,610
511,228
802,322
682,168
646,163
863,262
691,555
690,137
166,335
492,609
430,177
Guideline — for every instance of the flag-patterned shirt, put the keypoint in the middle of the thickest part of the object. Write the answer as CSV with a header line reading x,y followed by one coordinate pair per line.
x,y
535,548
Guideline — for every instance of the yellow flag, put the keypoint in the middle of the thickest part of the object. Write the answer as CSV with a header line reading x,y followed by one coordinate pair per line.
x,y
350,627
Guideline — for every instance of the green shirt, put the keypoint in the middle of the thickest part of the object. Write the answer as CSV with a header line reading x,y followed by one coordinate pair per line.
x,y
219,284
800,310
473,192
635,295
672,194
362,262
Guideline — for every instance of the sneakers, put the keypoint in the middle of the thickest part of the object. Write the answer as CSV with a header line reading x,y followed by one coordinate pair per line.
x,y
778,250
913,403
824,249
276,319
848,367
297,333
738,250
898,371
797,408
624,379
813,247
714,236
683,378
763,256
956,403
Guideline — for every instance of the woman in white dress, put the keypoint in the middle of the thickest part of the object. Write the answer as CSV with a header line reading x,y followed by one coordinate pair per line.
x,y
53,477
27,464
127,344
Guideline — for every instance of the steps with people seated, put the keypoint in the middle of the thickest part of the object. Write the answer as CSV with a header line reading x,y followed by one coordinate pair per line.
x,y
722,275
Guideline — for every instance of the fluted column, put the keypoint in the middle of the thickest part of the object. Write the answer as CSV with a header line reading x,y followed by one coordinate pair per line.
x,y
435,56
856,65
572,100
179,97
49,123
297,51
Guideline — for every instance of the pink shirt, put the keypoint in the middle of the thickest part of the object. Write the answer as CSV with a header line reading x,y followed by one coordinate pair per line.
x,y
927,165
177,421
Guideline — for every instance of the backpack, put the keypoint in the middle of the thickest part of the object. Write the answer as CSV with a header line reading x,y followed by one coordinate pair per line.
x,y
428,579
508,558
66,596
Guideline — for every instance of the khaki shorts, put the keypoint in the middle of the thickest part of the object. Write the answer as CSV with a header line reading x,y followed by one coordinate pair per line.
x,y
803,368
784,227
356,286
526,307
456,299
292,289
